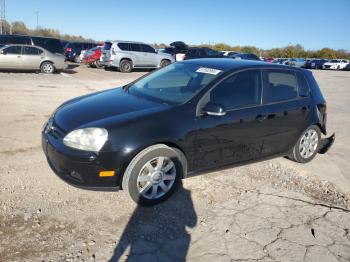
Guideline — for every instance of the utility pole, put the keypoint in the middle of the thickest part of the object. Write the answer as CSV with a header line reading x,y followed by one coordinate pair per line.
x,y
37,20
2,17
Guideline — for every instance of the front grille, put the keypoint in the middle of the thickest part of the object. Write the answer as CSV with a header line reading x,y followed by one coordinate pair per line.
x,y
327,66
54,130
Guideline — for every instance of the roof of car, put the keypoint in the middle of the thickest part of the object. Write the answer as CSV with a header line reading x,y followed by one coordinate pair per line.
x,y
125,41
227,64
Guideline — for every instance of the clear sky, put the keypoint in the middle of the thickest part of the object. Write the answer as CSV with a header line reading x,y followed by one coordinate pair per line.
x,y
262,23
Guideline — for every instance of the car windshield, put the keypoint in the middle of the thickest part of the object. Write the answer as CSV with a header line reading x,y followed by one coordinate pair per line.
x,y
334,61
175,84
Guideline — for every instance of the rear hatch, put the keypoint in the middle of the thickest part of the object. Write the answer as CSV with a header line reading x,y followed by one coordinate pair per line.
x,y
106,52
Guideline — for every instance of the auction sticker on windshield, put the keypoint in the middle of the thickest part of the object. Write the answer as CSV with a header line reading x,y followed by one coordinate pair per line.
x,y
207,70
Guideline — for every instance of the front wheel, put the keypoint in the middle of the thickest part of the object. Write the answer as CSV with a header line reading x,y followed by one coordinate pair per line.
x,y
164,63
47,68
153,175
307,145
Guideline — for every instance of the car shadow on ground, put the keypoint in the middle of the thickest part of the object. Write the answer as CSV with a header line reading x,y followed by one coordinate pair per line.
x,y
72,66
158,233
114,69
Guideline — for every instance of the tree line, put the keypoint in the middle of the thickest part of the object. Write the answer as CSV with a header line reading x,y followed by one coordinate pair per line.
x,y
19,27
290,51
296,51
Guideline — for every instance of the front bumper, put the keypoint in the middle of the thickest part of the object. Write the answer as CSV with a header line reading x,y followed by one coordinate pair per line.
x,y
79,169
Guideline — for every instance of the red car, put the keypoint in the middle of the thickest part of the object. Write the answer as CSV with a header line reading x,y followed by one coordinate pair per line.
x,y
269,59
92,57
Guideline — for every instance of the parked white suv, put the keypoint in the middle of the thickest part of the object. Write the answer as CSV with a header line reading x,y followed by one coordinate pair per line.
x,y
336,64
126,55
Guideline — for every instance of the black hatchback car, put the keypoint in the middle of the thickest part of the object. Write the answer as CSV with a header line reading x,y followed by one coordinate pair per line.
x,y
187,117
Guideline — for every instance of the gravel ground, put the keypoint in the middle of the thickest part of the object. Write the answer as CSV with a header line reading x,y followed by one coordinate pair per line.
x,y
269,211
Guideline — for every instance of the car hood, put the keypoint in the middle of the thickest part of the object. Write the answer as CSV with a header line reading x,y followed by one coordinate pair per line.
x,y
103,109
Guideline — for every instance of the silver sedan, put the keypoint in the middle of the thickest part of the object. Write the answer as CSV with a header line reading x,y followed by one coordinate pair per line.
x,y
27,57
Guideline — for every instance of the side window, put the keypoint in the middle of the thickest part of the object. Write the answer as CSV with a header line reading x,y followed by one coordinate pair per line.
x,y
280,85
192,52
135,47
147,49
240,90
303,85
28,50
13,50
123,46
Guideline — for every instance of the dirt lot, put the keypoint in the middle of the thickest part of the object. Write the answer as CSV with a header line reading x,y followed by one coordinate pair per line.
x,y
270,211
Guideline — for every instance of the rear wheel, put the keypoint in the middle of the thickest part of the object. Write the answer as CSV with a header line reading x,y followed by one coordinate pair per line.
x,y
307,145
125,66
98,64
153,175
47,68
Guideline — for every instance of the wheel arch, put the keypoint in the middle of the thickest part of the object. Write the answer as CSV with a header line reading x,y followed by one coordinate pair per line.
x,y
178,148
126,58
49,61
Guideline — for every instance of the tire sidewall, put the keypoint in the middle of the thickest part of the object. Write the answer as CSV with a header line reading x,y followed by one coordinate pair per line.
x,y
121,68
296,153
132,172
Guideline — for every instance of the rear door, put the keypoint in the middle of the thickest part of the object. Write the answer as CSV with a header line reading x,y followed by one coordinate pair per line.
x,y
136,52
32,57
148,56
286,109
11,57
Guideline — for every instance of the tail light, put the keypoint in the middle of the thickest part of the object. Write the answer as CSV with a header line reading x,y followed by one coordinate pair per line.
x,y
69,49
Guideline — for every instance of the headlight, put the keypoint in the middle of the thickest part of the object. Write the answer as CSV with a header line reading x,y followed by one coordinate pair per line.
x,y
88,139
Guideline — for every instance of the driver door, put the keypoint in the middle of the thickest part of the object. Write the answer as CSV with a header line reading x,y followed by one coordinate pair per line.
x,y
11,57
235,136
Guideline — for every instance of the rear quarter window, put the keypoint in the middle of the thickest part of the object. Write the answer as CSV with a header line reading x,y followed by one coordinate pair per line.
x,y
280,85
303,86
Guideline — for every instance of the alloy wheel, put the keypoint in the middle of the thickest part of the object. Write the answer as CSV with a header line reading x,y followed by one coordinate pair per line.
x,y
156,177
308,143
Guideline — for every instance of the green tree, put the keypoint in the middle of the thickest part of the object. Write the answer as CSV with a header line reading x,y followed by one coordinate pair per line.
x,y
19,27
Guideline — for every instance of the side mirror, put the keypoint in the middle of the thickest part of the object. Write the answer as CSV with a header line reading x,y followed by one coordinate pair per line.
x,y
214,109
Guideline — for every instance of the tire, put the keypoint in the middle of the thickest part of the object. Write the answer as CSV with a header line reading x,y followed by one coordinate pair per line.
x,y
304,155
98,64
164,63
47,68
147,180
125,66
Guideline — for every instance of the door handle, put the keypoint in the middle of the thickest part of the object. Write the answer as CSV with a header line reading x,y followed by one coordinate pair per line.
x,y
260,118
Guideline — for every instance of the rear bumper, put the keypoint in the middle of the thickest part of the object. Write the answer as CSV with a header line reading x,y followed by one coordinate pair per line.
x,y
326,144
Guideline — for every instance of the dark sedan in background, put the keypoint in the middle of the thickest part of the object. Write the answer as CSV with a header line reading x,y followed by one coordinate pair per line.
x,y
182,119
72,50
